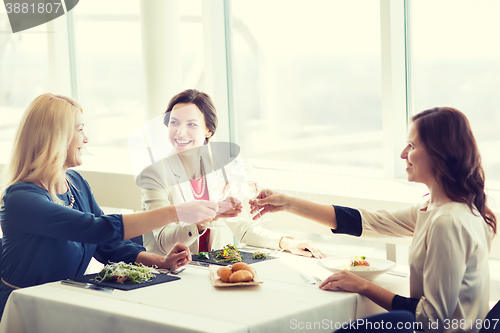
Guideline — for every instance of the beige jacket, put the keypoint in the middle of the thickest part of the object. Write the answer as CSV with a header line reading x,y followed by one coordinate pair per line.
x,y
161,185
448,258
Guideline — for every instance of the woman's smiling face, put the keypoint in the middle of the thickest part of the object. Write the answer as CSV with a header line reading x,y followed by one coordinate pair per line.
x,y
74,154
186,127
418,163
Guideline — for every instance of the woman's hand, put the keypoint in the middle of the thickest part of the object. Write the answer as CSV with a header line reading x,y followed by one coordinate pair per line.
x,y
196,211
268,202
301,247
345,281
229,207
177,257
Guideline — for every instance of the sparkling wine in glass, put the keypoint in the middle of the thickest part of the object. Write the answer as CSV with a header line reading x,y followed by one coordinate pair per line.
x,y
253,187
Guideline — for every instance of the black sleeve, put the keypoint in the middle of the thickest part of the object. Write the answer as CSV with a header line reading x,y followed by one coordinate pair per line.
x,y
405,303
348,221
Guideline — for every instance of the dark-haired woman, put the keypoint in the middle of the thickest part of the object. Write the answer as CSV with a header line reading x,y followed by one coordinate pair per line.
x,y
452,230
190,174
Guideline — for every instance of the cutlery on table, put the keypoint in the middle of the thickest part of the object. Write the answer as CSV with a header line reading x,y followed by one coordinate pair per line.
x,y
87,286
199,263
308,279
173,271
317,279
398,273
276,251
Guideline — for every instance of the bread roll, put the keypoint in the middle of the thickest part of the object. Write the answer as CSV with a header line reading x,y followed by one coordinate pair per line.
x,y
224,273
241,276
242,266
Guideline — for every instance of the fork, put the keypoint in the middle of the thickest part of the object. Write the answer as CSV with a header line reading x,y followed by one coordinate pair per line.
x,y
317,279
275,251
173,271
177,271
307,278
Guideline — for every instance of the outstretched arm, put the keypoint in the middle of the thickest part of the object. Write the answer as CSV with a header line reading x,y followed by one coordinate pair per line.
x,y
268,202
190,212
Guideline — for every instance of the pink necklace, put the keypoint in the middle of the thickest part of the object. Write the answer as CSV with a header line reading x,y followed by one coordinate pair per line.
x,y
203,181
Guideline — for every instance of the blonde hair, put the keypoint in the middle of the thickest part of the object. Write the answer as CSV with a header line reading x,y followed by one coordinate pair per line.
x,y
41,142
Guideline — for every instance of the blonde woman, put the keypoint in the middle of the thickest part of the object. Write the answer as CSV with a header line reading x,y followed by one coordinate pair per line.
x,y
52,225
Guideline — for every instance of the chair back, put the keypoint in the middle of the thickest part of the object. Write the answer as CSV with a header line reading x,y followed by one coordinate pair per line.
x,y
492,321
393,321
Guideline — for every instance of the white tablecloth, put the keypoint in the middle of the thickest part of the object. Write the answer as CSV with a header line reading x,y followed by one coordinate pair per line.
x,y
283,303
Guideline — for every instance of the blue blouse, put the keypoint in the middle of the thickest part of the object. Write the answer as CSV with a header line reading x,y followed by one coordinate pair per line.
x,y
45,242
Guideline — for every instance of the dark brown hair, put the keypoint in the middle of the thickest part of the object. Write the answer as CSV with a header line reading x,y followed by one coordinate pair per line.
x,y
448,139
202,101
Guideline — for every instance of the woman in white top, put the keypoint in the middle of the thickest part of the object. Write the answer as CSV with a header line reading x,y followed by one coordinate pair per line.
x,y
189,174
452,230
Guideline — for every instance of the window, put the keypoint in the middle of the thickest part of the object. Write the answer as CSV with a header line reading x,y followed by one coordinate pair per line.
x,y
109,77
24,68
111,83
307,85
455,63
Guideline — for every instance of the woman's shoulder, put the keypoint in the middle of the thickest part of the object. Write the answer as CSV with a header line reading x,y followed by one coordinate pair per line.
x,y
232,165
153,177
23,192
24,186
453,209
76,178
456,215
457,221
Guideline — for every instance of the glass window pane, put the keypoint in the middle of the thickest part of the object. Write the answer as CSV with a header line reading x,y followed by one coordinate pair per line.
x,y
456,63
24,68
307,82
192,44
110,78
109,69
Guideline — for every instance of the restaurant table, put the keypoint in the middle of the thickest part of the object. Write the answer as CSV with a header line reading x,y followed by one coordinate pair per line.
x,y
284,302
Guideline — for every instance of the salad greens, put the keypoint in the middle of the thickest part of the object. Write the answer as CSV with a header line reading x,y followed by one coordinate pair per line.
x,y
259,255
122,272
203,255
229,253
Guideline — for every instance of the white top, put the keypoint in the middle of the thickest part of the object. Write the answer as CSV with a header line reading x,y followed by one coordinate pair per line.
x,y
448,259
163,184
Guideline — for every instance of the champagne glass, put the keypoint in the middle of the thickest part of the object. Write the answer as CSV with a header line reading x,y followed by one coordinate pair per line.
x,y
218,191
234,190
254,191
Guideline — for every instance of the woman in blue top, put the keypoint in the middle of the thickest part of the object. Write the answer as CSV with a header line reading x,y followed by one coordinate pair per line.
x,y
52,226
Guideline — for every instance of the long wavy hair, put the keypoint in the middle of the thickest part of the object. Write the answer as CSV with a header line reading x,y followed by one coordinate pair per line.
x,y
447,137
41,142
202,101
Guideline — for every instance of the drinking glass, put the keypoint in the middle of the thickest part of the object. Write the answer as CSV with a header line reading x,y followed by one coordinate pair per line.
x,y
219,190
254,191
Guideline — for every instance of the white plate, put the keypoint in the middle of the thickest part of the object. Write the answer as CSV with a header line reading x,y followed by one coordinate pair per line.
x,y
378,266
